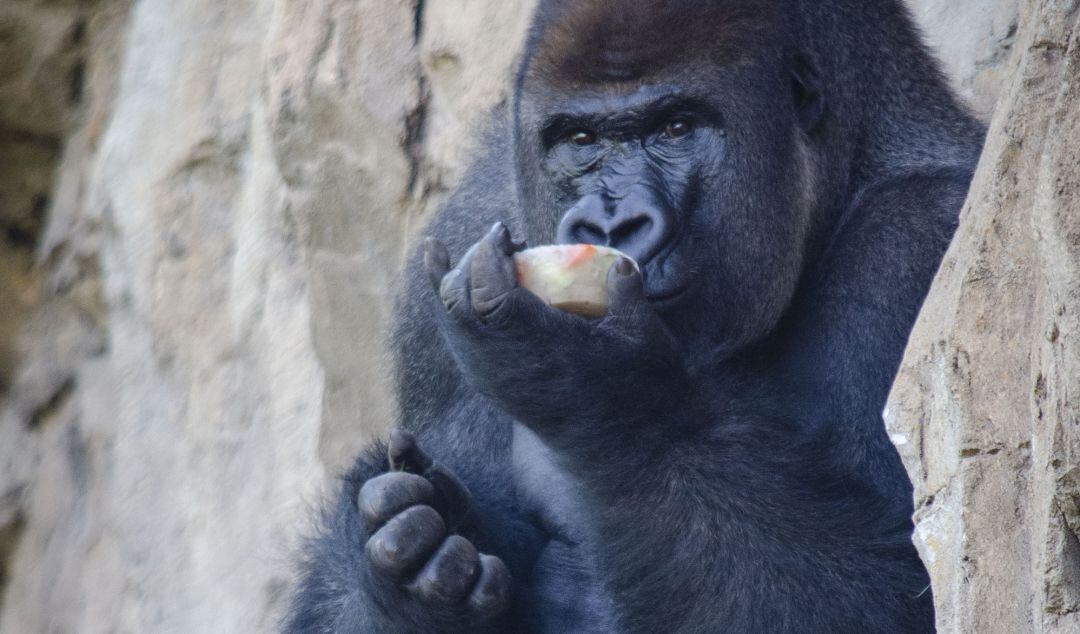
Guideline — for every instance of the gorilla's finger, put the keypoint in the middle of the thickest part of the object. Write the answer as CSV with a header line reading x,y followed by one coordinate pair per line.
x,y
452,500
500,235
450,573
387,495
509,245
454,292
406,541
404,453
492,592
491,272
454,288
436,261
626,292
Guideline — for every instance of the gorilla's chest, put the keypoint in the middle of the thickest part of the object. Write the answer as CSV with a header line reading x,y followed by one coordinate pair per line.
x,y
566,588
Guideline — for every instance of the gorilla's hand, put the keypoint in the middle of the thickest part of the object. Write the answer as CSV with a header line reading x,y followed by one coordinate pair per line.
x,y
550,369
411,514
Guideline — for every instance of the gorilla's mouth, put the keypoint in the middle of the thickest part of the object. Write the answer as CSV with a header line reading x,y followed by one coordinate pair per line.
x,y
667,296
665,289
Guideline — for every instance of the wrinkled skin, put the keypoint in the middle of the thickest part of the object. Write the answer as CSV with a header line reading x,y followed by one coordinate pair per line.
x,y
709,455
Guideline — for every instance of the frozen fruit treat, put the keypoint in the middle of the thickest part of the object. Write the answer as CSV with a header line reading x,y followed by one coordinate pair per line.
x,y
569,277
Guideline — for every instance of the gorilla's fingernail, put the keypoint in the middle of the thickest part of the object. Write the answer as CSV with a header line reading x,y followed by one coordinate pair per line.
x,y
505,240
625,266
402,436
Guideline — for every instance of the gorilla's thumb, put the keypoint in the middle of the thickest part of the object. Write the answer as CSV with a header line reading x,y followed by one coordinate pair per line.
x,y
626,292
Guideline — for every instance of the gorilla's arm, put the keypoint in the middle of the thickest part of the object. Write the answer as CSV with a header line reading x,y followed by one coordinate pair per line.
x,y
855,313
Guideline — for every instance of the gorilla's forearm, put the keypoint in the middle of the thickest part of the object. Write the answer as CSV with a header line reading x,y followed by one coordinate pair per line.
x,y
868,287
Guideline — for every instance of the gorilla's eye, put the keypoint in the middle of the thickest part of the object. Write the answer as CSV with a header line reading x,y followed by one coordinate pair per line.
x,y
678,128
582,137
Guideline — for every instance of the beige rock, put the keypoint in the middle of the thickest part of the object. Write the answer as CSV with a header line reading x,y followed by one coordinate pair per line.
x,y
984,411
232,203
973,39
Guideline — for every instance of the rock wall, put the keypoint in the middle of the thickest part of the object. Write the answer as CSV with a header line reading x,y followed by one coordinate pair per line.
x,y
205,204
986,410
54,84
196,347
974,40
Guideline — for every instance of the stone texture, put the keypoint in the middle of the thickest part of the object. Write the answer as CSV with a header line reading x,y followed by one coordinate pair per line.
x,y
201,347
973,39
42,77
985,410
45,90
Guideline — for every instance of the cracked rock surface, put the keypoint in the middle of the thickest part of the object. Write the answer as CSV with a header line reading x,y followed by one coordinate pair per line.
x,y
986,410
211,204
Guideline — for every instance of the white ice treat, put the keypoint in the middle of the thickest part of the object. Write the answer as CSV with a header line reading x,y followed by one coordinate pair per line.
x,y
569,277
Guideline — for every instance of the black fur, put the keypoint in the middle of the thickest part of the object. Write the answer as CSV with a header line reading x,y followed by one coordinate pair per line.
x,y
710,456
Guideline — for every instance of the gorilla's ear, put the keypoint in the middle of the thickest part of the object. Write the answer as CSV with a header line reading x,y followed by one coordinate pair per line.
x,y
805,91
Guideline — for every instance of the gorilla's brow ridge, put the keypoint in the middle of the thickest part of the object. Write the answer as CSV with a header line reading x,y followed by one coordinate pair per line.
x,y
639,113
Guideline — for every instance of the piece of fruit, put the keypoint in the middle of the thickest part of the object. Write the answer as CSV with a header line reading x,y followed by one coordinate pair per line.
x,y
569,277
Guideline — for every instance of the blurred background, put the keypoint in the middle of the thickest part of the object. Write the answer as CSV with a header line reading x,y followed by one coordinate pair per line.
x,y
204,205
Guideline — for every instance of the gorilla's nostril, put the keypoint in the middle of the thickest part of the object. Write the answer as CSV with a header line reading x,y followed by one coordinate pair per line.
x,y
635,226
628,230
589,234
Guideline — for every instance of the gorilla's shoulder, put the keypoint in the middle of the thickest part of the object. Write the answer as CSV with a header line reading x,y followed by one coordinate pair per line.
x,y
486,194
488,190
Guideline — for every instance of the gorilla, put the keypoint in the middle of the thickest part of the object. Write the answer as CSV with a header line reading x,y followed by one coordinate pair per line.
x,y
708,456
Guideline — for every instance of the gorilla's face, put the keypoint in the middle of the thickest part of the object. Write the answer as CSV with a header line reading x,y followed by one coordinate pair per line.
x,y
705,181
627,170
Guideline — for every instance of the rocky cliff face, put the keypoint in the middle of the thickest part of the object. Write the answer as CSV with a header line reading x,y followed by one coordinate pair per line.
x,y
197,336
985,411
204,207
